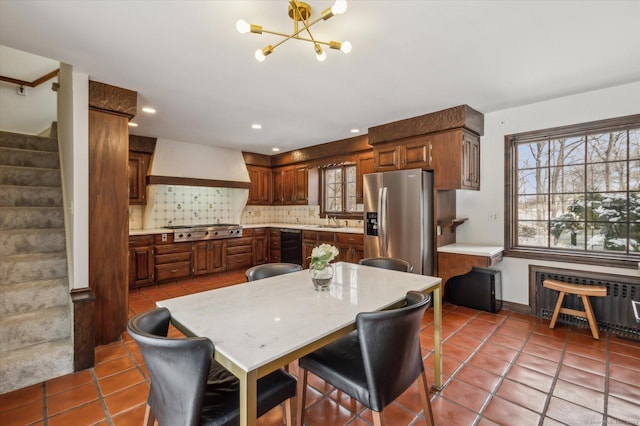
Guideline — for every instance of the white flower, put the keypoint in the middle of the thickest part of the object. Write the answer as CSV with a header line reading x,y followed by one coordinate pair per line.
x,y
322,255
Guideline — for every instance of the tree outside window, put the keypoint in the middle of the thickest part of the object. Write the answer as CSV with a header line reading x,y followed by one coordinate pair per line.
x,y
339,190
576,190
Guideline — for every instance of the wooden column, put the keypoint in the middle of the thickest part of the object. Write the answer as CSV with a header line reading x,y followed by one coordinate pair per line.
x,y
110,109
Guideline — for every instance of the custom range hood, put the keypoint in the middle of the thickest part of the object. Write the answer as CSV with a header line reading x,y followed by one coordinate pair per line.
x,y
182,163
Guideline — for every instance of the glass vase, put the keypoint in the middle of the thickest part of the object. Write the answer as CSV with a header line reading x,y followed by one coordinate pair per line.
x,y
321,277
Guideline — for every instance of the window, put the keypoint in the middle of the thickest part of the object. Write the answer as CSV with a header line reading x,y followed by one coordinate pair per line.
x,y
339,190
574,192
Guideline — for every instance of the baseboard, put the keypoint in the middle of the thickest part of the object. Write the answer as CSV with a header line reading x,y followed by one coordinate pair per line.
x,y
517,307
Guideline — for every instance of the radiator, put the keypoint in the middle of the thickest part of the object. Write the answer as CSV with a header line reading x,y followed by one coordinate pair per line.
x,y
614,313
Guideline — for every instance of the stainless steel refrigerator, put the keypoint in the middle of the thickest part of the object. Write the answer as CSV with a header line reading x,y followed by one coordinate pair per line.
x,y
398,215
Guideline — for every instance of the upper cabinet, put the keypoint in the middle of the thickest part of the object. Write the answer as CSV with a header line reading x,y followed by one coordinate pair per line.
x,y
411,153
140,151
447,142
260,191
456,160
138,166
364,165
290,185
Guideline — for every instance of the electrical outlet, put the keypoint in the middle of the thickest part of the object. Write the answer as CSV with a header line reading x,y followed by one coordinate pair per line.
x,y
22,91
494,217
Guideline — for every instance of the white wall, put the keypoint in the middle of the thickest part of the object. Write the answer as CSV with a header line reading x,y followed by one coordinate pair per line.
x,y
478,206
73,137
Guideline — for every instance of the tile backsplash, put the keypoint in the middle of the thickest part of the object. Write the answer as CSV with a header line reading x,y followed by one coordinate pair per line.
x,y
194,205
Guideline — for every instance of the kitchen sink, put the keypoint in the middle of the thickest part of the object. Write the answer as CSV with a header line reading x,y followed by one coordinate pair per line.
x,y
326,226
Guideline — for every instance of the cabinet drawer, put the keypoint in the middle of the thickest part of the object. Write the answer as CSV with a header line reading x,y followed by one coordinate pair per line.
x,y
174,248
141,240
326,237
275,232
173,271
243,241
238,250
172,258
258,232
310,235
236,261
349,238
275,244
248,232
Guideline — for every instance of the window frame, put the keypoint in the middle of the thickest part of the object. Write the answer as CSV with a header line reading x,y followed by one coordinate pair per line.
x,y
343,214
604,258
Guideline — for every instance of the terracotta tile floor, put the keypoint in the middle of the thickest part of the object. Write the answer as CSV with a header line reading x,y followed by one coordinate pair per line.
x,y
503,368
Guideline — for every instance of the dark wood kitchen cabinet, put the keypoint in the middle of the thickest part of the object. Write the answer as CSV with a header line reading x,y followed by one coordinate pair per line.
x,y
138,165
364,165
456,156
309,241
351,247
275,253
141,265
208,257
410,153
260,246
290,185
260,190
239,251
172,260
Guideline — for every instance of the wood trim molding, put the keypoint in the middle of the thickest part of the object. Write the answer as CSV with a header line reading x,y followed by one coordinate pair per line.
x,y
83,328
35,83
517,307
171,180
253,159
452,118
325,150
112,99
142,144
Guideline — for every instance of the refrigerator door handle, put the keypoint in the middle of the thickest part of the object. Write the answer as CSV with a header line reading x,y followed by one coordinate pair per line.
x,y
383,225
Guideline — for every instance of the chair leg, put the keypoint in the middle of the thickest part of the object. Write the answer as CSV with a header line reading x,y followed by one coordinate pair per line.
x,y
556,311
426,402
590,316
301,395
149,417
377,418
288,411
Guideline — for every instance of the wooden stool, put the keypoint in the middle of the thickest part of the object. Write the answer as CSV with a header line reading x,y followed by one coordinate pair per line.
x,y
584,291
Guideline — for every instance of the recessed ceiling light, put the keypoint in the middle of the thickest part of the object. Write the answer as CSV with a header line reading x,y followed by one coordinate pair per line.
x,y
149,110
275,149
132,124
355,130
256,126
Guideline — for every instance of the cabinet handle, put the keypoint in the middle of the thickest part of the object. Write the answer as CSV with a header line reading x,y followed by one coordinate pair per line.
x,y
174,270
430,147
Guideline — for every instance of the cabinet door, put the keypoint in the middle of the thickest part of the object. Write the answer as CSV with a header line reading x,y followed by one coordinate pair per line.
x,y
278,194
307,247
364,165
140,266
138,163
254,189
260,250
264,195
301,183
416,154
470,161
201,258
385,158
218,263
288,185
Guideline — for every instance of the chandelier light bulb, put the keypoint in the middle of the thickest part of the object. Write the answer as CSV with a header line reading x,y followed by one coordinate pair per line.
x,y
243,26
321,56
339,7
260,56
345,47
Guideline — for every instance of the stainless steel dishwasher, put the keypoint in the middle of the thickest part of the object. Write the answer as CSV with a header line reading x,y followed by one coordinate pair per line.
x,y
291,246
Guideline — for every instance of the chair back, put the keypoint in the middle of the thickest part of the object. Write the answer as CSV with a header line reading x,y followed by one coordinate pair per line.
x,y
390,345
388,263
271,269
179,368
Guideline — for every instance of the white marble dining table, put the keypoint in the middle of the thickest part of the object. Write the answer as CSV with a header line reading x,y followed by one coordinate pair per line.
x,y
260,326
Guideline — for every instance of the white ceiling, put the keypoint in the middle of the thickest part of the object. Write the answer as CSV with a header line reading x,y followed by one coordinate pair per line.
x,y
409,58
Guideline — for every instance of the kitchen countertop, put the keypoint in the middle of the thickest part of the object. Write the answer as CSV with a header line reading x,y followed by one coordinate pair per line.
x,y
348,230
472,249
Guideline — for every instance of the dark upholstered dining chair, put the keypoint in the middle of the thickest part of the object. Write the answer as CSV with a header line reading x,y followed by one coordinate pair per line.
x,y
271,269
388,263
188,387
375,363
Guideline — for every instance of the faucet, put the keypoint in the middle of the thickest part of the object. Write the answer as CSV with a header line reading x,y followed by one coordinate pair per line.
x,y
335,220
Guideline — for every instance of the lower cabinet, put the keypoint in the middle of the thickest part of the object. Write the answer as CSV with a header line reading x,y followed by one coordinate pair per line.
x,y
140,260
173,261
275,255
208,257
260,246
239,251
309,241
351,247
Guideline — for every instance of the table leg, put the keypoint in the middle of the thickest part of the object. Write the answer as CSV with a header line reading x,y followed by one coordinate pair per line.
x,y
437,338
248,398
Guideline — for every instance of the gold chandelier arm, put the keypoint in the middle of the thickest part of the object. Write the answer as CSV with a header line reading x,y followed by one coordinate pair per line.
x,y
306,24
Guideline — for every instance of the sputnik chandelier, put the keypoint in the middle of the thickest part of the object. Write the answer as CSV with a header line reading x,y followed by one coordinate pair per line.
x,y
300,13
